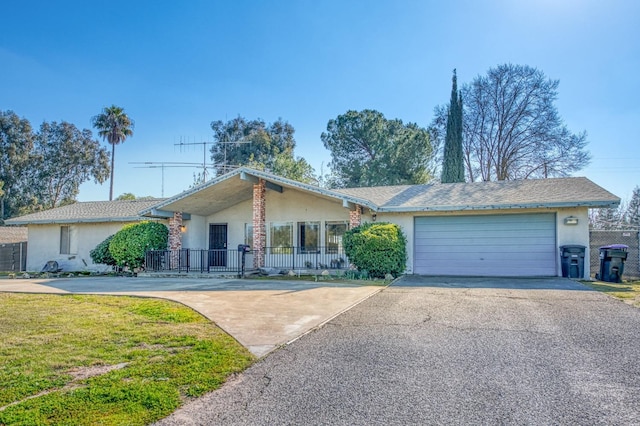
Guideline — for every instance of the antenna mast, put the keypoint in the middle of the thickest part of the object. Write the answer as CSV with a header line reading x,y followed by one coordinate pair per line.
x,y
204,154
166,164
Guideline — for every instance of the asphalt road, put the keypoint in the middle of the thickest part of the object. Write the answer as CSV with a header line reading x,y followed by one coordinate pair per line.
x,y
448,353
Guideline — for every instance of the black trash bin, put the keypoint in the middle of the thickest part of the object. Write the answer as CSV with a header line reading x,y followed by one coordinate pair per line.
x,y
612,259
572,261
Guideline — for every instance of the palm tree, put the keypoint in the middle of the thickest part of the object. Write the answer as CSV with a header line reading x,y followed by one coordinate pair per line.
x,y
114,126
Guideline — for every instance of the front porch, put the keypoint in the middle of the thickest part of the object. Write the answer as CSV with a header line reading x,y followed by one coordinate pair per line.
x,y
240,261
287,225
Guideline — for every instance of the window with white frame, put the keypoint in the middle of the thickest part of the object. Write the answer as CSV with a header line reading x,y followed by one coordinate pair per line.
x,y
281,237
333,233
65,240
248,234
309,237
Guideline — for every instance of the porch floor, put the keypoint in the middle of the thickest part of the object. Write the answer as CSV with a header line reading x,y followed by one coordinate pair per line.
x,y
228,274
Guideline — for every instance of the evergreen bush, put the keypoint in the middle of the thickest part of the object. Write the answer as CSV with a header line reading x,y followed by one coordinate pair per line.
x,y
129,245
101,253
378,248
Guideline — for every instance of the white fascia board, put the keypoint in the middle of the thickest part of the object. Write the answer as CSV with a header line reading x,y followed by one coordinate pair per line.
x,y
71,221
589,204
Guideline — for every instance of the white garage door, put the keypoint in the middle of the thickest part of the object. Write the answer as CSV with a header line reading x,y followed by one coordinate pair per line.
x,y
500,245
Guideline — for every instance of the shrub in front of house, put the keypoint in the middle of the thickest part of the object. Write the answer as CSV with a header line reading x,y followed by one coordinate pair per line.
x,y
129,245
101,253
378,248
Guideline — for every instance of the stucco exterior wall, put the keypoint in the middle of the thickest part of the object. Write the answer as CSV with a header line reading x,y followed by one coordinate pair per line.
x,y
295,206
195,236
44,245
288,206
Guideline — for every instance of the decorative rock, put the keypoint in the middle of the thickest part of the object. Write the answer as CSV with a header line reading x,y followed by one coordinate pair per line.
x,y
25,275
271,271
389,277
325,273
292,273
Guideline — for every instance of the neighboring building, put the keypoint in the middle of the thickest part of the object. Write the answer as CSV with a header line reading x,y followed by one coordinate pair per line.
x,y
505,228
13,248
67,234
13,234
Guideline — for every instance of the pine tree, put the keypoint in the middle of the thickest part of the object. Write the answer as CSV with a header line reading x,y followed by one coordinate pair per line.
x,y
610,218
633,209
453,163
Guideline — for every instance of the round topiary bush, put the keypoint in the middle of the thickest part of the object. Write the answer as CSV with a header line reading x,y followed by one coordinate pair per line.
x,y
101,253
378,248
129,245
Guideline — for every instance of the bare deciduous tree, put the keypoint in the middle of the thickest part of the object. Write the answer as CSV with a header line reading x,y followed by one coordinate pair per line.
x,y
512,129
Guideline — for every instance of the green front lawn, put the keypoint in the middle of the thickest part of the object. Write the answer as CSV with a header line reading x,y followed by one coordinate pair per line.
x,y
626,291
80,359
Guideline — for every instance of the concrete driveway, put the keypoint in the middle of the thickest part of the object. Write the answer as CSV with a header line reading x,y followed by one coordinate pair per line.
x,y
448,351
261,314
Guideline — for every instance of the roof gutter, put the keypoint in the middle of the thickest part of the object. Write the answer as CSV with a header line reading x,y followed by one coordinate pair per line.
x,y
65,221
589,204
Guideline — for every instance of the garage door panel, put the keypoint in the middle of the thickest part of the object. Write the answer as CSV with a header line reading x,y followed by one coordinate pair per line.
x,y
452,232
500,257
508,245
489,253
486,242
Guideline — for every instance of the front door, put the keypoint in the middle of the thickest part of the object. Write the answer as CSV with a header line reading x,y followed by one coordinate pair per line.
x,y
218,244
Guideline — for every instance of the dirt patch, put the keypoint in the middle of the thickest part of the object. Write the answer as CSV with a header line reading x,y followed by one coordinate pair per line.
x,y
82,373
78,374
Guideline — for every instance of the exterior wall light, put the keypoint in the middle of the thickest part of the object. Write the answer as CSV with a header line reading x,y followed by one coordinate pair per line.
x,y
183,228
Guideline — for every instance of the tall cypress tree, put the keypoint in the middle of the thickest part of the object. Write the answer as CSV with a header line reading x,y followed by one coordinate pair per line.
x,y
633,209
453,162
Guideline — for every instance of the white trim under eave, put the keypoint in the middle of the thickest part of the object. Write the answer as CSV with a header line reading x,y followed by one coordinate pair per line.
x,y
588,204
71,221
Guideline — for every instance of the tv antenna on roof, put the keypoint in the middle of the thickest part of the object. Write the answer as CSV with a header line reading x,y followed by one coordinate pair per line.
x,y
167,164
204,153
224,166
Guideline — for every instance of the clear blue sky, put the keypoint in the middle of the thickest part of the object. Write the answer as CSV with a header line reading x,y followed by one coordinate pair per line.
x,y
175,66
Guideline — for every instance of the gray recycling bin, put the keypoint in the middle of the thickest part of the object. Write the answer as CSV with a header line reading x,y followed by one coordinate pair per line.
x,y
612,259
572,261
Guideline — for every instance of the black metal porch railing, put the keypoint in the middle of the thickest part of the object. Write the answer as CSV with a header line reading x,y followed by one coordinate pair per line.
x,y
188,260
197,260
330,257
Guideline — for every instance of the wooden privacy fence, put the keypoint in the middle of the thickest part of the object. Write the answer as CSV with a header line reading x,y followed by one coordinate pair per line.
x,y
598,238
13,257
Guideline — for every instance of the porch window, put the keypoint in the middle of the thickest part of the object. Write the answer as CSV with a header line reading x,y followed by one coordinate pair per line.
x,y
65,240
308,236
333,232
281,237
248,234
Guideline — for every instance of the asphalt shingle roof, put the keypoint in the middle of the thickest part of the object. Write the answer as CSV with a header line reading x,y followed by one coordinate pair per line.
x,y
13,234
553,192
88,211
530,193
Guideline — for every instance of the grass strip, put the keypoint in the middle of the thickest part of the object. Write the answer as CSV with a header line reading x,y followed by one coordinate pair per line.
x,y
628,292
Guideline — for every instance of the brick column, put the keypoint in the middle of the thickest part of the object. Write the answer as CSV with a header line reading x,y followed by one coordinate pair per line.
x,y
259,223
175,231
355,217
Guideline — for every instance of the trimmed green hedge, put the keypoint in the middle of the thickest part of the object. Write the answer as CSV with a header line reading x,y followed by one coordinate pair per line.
x,y
129,245
101,253
378,248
